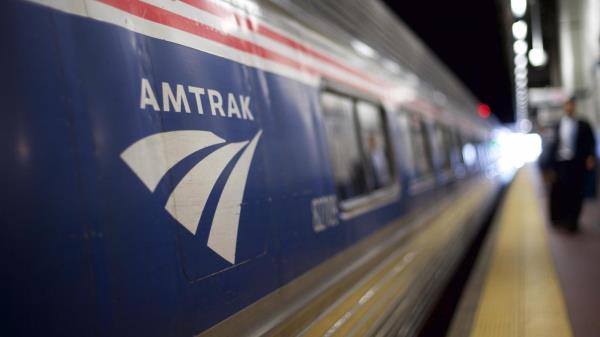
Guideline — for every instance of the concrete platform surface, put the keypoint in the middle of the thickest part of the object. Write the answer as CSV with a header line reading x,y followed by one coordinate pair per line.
x,y
532,279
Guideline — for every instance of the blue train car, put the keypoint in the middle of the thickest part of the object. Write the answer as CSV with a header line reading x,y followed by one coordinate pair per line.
x,y
176,168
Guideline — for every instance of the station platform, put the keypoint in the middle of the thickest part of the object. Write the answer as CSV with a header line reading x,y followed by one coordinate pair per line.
x,y
531,279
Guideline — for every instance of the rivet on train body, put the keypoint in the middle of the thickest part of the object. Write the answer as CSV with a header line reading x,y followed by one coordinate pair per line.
x,y
175,98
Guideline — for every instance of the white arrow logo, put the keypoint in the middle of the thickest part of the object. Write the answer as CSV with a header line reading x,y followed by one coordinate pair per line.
x,y
151,157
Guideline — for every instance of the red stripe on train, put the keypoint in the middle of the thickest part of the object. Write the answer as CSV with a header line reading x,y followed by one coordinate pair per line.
x,y
225,13
158,15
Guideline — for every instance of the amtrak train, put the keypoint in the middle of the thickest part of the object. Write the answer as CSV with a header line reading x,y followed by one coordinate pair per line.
x,y
230,168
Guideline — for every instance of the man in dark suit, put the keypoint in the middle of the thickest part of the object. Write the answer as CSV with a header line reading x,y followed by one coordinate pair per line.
x,y
571,156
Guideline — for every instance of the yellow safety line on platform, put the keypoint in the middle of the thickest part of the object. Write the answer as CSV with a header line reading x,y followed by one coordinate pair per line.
x,y
521,296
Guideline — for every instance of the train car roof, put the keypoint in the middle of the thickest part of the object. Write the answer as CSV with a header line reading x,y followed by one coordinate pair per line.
x,y
392,40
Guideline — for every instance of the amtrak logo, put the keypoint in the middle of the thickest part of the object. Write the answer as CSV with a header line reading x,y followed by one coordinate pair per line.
x,y
151,157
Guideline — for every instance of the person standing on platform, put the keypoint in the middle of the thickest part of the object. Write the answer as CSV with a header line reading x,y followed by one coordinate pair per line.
x,y
572,156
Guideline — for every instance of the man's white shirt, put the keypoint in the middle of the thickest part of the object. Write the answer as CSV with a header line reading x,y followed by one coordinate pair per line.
x,y
566,132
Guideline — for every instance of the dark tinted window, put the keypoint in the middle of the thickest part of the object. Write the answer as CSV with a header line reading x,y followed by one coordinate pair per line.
x,y
405,142
374,145
420,147
344,151
457,153
358,145
443,145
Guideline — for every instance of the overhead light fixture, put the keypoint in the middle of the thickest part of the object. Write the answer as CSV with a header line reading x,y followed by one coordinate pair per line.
x,y
439,98
521,61
521,66
363,49
537,54
520,85
538,57
522,71
391,66
412,79
525,125
520,47
519,30
518,7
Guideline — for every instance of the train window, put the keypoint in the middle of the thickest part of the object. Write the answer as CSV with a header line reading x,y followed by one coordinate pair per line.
x,y
405,142
442,146
469,154
451,146
358,145
458,146
420,147
344,150
484,154
374,145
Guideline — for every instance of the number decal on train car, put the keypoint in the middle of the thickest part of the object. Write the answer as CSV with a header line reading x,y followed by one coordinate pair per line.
x,y
325,212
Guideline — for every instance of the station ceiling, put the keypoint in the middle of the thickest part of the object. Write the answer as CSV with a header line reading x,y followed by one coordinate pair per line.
x,y
469,37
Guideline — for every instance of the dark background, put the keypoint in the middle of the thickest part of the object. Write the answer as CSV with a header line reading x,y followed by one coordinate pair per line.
x,y
468,36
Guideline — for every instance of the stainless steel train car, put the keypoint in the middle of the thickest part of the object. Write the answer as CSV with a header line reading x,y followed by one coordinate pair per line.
x,y
230,168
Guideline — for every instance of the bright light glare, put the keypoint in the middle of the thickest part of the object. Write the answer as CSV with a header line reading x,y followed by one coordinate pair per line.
x,y
525,125
521,92
518,7
520,60
521,66
516,149
412,79
537,57
229,26
469,154
391,66
521,83
363,49
250,6
520,47
520,70
403,93
519,30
